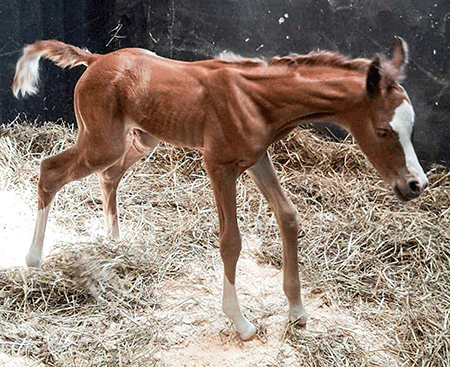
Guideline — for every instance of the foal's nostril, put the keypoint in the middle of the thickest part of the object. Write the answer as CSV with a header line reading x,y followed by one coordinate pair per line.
x,y
410,189
414,186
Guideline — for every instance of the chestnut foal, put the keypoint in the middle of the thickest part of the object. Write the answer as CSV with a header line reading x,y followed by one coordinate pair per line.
x,y
232,109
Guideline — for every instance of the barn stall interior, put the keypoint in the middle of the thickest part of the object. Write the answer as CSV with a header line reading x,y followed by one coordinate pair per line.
x,y
374,271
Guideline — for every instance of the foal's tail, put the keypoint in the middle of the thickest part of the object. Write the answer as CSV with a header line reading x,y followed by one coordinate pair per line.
x,y
27,69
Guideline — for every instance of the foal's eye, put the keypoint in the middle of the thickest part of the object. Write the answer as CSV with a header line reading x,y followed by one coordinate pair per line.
x,y
382,133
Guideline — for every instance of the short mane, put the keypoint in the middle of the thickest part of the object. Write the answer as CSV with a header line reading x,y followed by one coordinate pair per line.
x,y
321,58
232,58
314,58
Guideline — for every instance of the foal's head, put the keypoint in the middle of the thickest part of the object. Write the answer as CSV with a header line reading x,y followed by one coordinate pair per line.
x,y
386,134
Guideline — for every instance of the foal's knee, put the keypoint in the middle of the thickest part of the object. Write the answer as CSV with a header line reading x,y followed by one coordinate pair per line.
x,y
288,219
230,246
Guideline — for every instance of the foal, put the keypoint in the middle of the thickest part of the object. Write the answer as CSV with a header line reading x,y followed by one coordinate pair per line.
x,y
232,109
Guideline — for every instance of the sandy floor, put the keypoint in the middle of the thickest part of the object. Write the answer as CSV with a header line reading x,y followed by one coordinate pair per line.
x,y
11,361
200,335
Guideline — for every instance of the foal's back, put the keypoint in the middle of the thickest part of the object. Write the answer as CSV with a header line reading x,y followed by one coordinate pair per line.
x,y
167,99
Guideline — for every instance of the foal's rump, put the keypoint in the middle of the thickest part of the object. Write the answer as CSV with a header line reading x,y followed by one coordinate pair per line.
x,y
139,89
132,87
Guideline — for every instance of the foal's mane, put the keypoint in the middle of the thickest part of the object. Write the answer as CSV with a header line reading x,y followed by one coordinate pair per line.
x,y
314,58
320,58
229,57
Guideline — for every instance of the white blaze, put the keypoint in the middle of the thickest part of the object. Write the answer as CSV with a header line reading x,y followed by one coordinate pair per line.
x,y
402,124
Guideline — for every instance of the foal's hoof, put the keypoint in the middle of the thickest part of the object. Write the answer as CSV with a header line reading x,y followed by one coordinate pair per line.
x,y
33,261
298,316
300,322
248,333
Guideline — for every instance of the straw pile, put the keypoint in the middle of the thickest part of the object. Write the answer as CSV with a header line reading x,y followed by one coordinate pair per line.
x,y
99,302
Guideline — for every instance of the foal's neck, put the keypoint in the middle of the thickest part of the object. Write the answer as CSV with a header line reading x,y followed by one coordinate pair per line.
x,y
293,96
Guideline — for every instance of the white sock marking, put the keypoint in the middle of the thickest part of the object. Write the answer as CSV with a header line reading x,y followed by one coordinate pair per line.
x,y
112,226
230,306
34,256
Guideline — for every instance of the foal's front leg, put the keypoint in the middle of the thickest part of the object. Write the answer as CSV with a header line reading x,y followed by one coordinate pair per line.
x,y
223,181
263,174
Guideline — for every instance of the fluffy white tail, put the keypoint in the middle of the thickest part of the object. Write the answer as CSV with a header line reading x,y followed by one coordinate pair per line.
x,y
26,78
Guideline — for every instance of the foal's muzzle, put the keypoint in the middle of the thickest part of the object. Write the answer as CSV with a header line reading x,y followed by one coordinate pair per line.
x,y
409,188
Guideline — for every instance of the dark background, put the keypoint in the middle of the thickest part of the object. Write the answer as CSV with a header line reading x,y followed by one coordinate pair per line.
x,y
198,29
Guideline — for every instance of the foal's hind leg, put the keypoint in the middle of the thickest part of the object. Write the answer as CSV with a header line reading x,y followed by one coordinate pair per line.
x,y
263,173
138,145
90,154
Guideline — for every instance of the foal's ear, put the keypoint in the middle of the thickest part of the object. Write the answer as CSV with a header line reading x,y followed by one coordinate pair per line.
x,y
373,84
400,56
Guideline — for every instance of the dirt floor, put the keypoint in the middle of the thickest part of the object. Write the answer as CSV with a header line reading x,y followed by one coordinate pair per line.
x,y
197,333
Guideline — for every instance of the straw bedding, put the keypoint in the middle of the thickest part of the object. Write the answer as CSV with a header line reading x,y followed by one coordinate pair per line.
x,y
99,302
